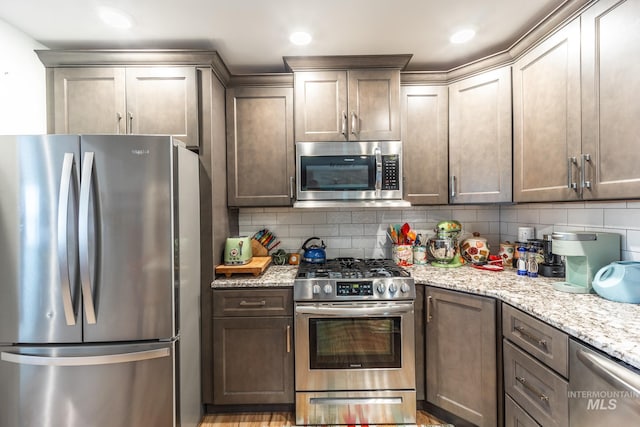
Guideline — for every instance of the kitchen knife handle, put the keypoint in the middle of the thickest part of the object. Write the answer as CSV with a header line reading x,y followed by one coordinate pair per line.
x,y
343,130
570,183
429,302
66,182
83,237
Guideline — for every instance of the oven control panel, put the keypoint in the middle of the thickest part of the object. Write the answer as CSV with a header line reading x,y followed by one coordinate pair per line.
x,y
350,289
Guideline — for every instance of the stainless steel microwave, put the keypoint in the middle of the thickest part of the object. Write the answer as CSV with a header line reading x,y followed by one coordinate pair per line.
x,y
363,173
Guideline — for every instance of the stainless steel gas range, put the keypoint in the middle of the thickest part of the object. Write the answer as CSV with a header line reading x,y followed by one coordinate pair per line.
x,y
354,340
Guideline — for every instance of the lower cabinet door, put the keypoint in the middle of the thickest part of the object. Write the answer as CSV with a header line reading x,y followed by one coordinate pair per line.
x,y
253,360
461,355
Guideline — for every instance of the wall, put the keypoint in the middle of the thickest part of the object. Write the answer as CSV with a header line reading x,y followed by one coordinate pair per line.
x,y
362,233
22,84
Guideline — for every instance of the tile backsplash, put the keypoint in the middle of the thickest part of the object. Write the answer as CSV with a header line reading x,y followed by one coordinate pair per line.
x,y
363,232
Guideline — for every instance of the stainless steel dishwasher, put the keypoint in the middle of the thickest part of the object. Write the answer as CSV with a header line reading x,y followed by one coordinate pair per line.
x,y
602,391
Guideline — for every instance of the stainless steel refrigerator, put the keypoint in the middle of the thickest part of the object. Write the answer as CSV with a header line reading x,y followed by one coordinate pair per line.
x,y
99,282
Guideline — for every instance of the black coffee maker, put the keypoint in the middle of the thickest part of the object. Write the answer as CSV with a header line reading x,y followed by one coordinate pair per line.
x,y
553,266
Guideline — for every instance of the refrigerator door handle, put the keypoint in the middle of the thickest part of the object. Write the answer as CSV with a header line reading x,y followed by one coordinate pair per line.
x,y
66,181
83,237
24,359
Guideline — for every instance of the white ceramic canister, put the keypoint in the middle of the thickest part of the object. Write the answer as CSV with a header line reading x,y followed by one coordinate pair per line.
x,y
402,254
419,255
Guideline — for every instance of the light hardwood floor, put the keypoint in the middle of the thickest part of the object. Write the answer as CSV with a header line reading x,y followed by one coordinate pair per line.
x,y
279,419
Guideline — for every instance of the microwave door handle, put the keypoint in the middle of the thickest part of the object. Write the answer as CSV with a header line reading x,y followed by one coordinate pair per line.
x,y
378,187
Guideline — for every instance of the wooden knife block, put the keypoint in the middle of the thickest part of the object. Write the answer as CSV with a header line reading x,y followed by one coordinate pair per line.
x,y
257,249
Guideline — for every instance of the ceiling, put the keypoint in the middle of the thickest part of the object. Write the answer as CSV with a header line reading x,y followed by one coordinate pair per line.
x,y
251,36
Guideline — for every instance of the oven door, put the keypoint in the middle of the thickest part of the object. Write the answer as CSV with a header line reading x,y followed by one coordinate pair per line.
x,y
355,346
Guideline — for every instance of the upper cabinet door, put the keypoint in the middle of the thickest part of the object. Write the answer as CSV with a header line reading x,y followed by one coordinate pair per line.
x,y
88,100
610,93
374,105
321,106
546,106
480,138
163,101
354,105
260,148
425,138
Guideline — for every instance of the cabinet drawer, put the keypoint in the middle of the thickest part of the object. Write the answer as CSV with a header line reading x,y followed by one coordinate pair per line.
x,y
544,342
537,389
252,302
515,416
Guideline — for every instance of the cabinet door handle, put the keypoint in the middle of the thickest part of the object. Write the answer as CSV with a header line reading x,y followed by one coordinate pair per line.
x,y
528,335
543,397
253,303
344,124
453,186
429,301
118,120
584,183
288,338
130,120
354,123
292,187
572,185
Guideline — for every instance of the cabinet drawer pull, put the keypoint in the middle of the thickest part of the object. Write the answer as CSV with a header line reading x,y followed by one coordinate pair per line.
x,y
253,303
532,389
429,316
343,129
531,337
571,184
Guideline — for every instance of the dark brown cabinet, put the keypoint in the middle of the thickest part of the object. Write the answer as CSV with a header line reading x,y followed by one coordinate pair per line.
x,y
461,360
260,147
253,346
480,138
353,105
126,100
425,141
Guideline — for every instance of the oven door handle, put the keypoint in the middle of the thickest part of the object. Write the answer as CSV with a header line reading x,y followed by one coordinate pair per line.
x,y
354,310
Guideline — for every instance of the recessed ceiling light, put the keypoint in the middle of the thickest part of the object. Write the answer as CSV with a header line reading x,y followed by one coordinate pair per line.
x,y
300,38
115,18
462,36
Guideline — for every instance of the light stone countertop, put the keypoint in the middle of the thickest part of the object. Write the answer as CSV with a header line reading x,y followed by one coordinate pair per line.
x,y
609,326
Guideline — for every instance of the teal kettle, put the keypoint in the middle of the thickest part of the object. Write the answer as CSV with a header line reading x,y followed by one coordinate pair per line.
x,y
619,281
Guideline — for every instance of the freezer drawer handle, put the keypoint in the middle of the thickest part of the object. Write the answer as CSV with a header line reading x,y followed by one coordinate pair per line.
x,y
355,401
83,237
67,180
24,359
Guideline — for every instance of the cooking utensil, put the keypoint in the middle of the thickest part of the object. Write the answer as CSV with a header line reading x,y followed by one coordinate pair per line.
x,y
314,253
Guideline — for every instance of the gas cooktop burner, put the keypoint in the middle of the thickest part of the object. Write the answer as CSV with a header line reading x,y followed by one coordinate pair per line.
x,y
351,268
353,279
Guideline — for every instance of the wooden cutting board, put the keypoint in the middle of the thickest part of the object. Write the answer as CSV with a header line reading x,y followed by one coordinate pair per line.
x,y
256,267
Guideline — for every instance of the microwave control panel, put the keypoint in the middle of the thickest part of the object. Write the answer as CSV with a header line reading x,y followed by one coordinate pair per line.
x,y
390,172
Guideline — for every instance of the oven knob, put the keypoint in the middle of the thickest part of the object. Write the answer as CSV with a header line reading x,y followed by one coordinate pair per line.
x,y
327,289
393,288
381,288
404,288
315,289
